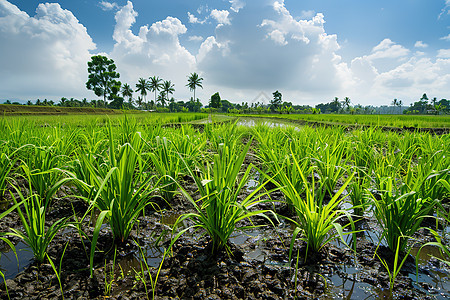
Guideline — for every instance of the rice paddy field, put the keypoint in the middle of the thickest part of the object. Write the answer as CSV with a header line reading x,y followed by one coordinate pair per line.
x,y
188,206
393,121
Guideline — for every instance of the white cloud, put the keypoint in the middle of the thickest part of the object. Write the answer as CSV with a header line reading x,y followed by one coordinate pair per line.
x,y
406,81
245,58
106,6
420,44
236,5
44,55
221,16
192,19
445,38
155,51
388,49
443,53
445,10
307,14
195,38
195,20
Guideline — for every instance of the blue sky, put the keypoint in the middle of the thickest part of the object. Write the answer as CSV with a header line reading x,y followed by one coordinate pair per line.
x,y
311,50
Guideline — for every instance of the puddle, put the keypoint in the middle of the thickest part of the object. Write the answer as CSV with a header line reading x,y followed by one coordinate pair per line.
x,y
348,287
8,261
252,122
170,218
131,262
431,273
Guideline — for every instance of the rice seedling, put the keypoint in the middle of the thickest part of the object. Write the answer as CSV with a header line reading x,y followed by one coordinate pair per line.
x,y
329,163
36,233
7,241
316,222
145,269
58,271
42,169
190,147
6,165
397,266
168,165
219,210
219,134
399,214
359,196
115,193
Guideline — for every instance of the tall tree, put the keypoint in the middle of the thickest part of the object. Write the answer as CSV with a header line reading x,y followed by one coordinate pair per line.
x,y
194,81
347,102
276,101
399,104
168,88
143,86
161,98
102,76
127,92
335,105
155,84
139,101
215,101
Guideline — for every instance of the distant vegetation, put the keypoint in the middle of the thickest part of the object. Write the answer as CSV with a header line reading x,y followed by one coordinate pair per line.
x,y
103,81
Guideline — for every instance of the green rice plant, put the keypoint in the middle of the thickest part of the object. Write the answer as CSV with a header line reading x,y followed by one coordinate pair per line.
x,y
426,177
58,271
115,193
219,210
7,241
168,165
6,165
110,277
397,266
42,169
141,274
441,239
288,166
127,127
36,233
329,161
359,196
190,147
316,222
219,134
399,214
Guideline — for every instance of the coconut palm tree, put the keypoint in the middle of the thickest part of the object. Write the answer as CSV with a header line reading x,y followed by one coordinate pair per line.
x,y
155,85
346,102
161,98
139,101
127,92
194,81
168,88
143,86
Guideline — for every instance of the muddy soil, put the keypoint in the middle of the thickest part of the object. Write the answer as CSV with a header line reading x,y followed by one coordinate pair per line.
x,y
256,266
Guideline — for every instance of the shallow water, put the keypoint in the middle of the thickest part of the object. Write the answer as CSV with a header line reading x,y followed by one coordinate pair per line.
x,y
9,265
251,122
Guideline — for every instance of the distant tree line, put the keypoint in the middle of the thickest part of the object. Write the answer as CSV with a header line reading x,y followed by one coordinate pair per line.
x,y
103,81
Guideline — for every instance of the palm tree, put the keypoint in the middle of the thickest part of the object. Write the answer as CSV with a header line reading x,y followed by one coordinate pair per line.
x,y
194,81
143,86
168,88
346,102
155,84
161,98
127,92
139,101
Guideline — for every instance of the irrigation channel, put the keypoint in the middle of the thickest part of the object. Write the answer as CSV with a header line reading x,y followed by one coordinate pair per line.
x,y
256,263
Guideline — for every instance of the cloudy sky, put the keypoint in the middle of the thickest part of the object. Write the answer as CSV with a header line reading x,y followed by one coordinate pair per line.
x,y
309,50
